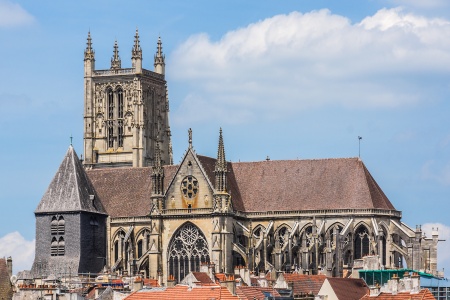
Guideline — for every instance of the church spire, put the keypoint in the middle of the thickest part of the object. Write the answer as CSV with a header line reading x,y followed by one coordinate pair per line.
x,y
89,52
159,59
220,169
115,60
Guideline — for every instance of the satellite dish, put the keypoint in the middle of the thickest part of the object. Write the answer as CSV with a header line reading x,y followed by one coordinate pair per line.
x,y
13,279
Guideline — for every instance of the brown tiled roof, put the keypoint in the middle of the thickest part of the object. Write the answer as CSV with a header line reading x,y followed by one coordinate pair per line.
x,y
340,183
6,291
202,277
184,292
254,292
305,284
126,191
348,288
424,294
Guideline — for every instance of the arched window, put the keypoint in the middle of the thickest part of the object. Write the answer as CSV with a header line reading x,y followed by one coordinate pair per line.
x,y
61,225
54,225
110,95
61,247
116,251
361,242
120,117
110,122
120,103
139,246
187,250
54,247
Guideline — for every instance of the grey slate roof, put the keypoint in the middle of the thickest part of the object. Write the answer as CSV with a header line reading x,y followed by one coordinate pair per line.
x,y
70,189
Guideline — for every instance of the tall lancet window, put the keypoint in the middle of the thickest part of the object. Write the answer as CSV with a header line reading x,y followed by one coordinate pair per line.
x,y
110,122
120,117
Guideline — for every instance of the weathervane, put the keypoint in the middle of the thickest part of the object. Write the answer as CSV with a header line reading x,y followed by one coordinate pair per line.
x,y
71,140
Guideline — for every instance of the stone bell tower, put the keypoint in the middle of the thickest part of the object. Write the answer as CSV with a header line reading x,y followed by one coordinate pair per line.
x,y
126,110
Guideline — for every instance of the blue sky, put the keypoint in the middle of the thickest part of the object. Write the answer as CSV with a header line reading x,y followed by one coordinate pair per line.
x,y
284,79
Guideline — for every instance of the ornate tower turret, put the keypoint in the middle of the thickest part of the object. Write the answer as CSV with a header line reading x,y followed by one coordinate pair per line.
x,y
126,111
89,54
89,67
136,55
116,63
160,64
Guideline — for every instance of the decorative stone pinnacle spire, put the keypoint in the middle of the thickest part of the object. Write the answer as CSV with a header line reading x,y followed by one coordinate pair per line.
x,y
157,172
159,58
89,52
221,163
115,60
137,51
190,137
157,156
220,169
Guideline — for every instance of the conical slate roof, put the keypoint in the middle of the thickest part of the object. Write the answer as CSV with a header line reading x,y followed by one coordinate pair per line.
x,y
70,190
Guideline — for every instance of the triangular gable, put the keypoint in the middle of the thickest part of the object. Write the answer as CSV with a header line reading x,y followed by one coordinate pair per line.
x,y
70,190
189,153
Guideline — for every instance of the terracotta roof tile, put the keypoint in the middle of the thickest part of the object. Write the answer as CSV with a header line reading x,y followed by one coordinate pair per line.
x,y
305,284
184,292
202,277
424,294
348,288
254,292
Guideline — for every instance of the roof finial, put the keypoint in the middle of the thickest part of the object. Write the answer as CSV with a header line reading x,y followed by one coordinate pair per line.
x,y
71,140
359,146
137,51
115,60
89,52
190,137
159,59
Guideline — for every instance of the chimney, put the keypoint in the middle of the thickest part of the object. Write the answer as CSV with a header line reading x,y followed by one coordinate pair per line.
x,y
9,266
229,283
170,281
211,271
415,282
138,284
394,284
374,290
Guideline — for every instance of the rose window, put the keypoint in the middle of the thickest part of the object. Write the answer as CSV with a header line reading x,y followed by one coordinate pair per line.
x,y
189,187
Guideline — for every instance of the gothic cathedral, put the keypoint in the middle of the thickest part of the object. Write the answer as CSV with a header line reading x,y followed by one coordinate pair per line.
x,y
127,209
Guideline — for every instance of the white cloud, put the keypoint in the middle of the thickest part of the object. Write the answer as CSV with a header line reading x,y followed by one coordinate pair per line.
x,y
443,247
22,251
422,3
289,63
13,15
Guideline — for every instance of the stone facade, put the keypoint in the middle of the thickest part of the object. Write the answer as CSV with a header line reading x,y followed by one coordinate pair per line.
x,y
149,216
126,111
